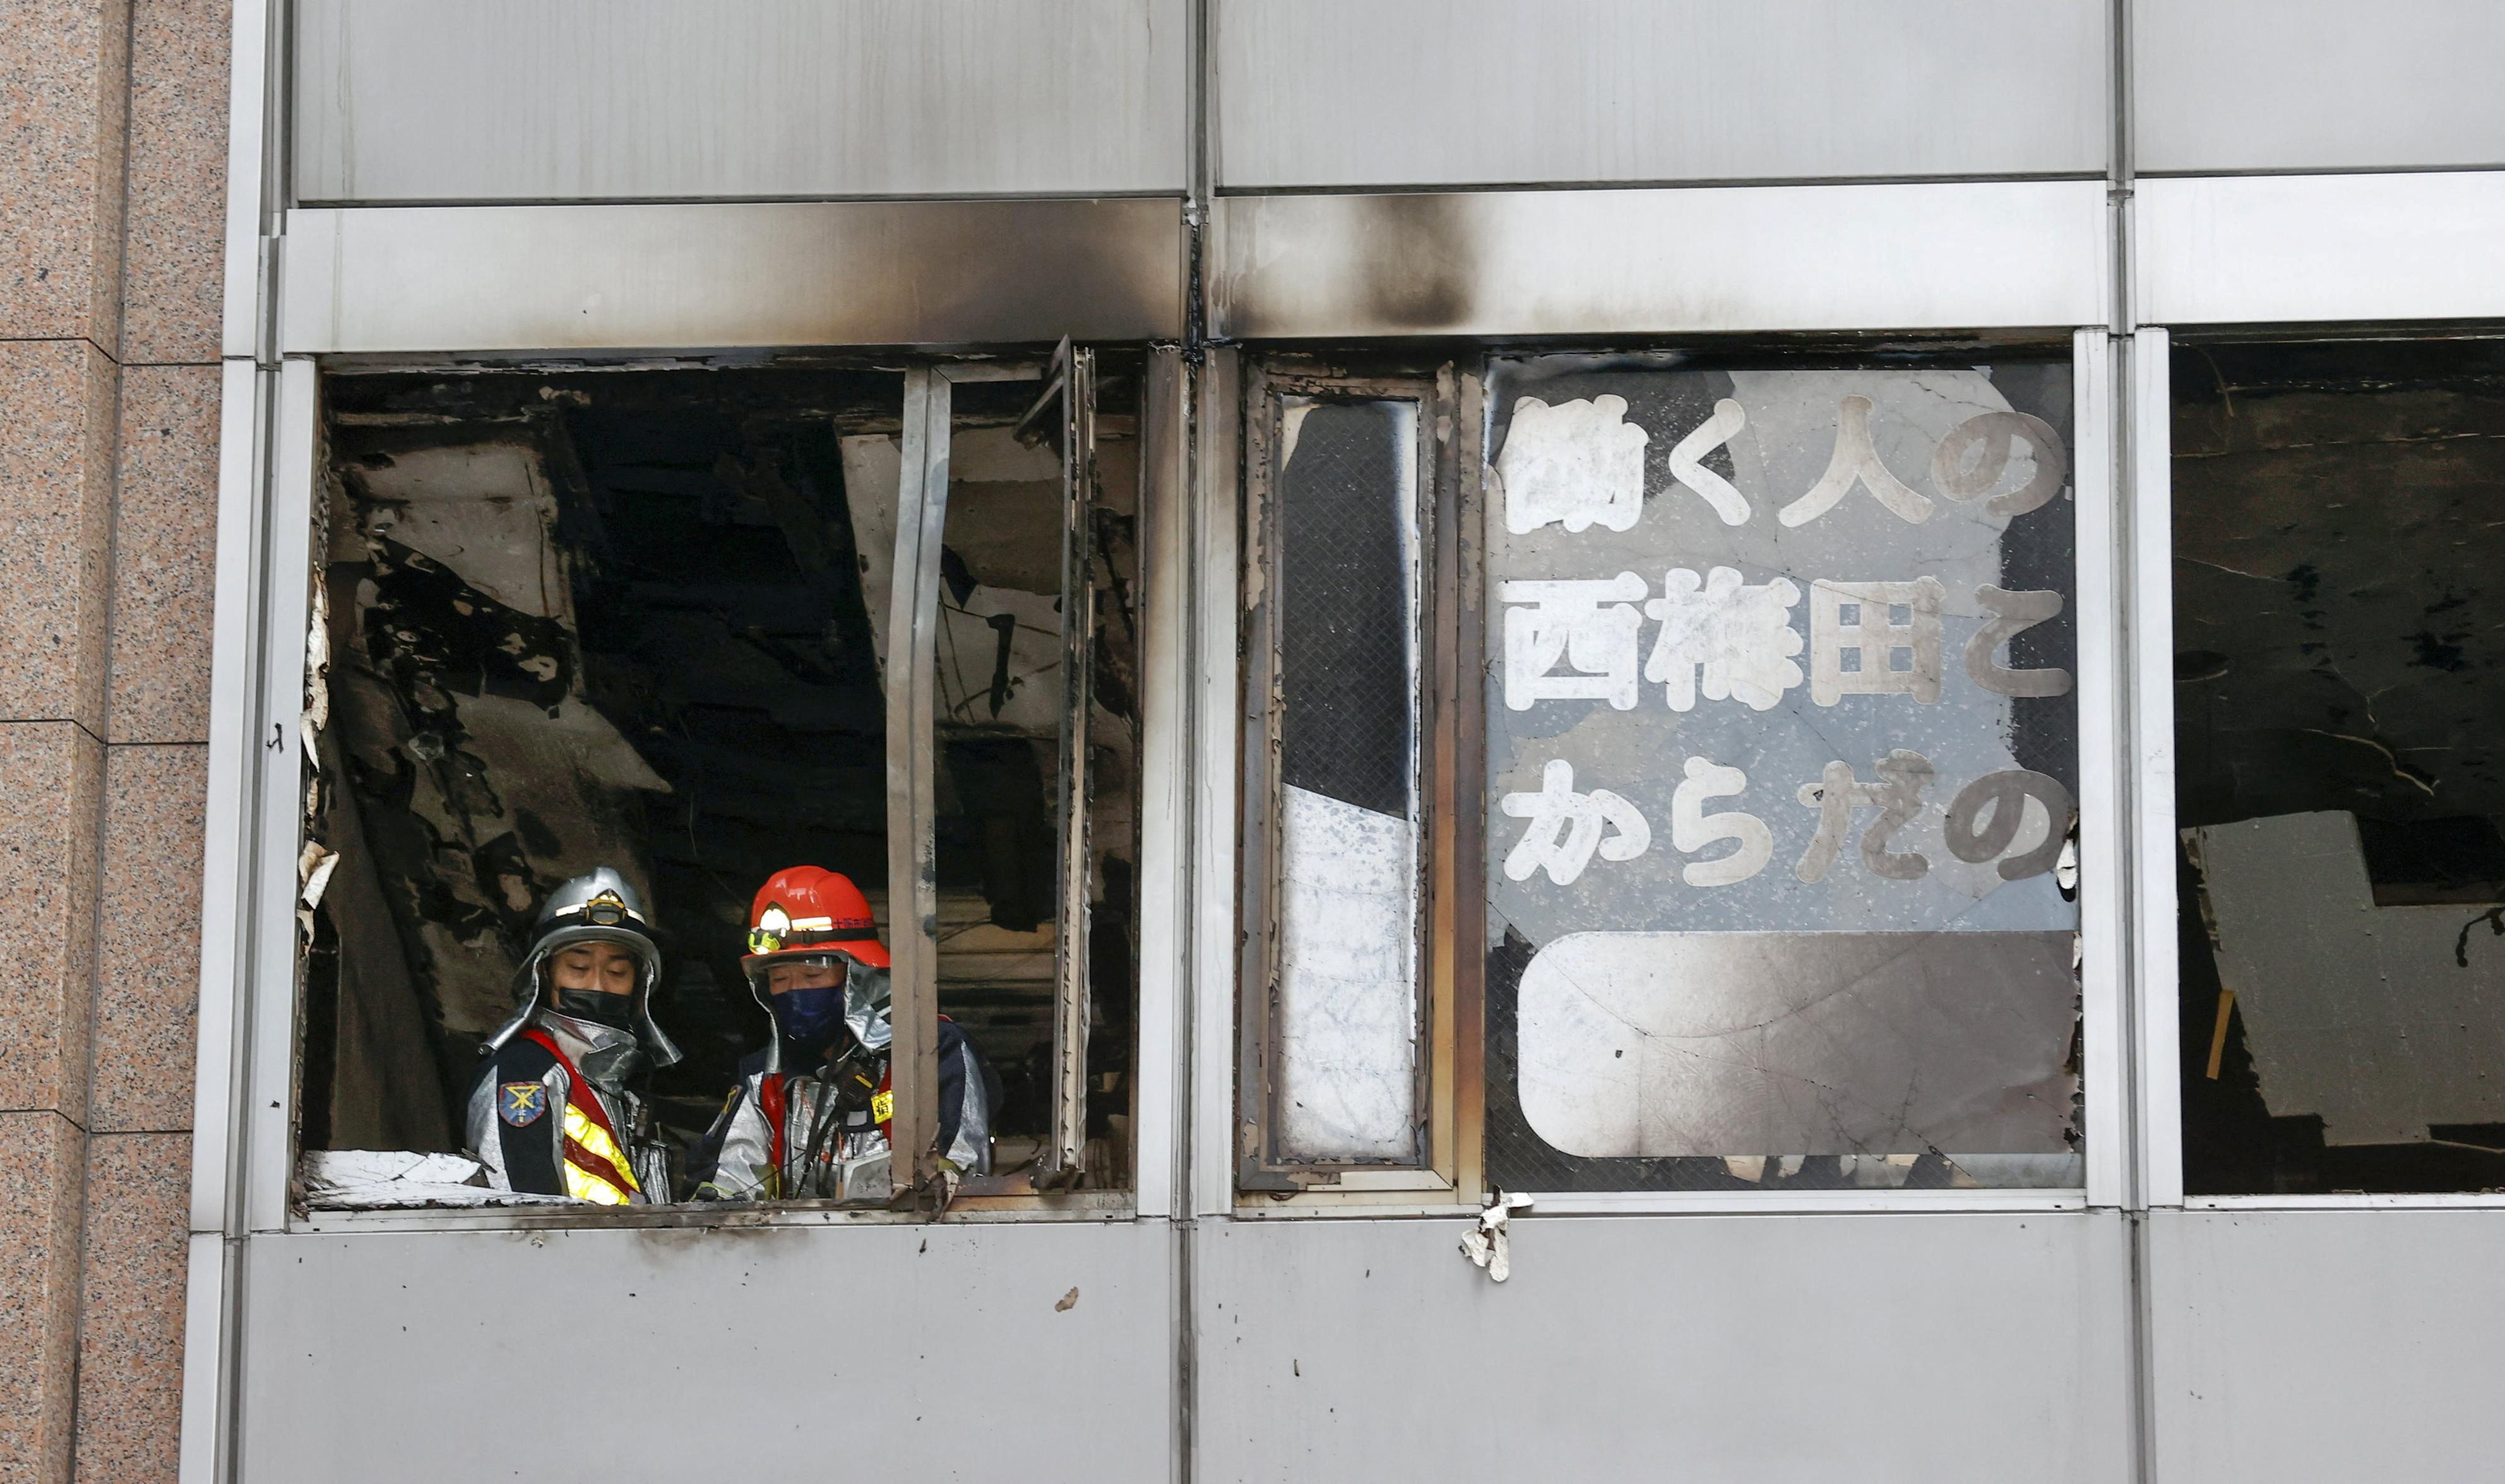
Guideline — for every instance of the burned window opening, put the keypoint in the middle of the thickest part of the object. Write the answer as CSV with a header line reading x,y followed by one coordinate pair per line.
x,y
635,618
2338,780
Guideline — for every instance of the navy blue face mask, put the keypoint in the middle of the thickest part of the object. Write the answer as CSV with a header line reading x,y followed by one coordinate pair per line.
x,y
809,1017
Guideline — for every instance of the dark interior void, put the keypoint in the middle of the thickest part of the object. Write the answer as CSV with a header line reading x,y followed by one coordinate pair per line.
x,y
2339,517
638,619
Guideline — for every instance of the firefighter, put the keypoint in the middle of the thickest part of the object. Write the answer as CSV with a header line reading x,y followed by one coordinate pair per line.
x,y
810,1117
552,1111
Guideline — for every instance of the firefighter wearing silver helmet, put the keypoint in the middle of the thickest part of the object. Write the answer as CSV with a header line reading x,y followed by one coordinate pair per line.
x,y
552,1111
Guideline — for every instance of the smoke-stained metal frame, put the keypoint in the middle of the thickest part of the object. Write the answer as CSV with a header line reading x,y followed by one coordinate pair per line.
x,y
912,755
612,280
1070,380
2105,905
1441,958
913,859
2102,900
1216,815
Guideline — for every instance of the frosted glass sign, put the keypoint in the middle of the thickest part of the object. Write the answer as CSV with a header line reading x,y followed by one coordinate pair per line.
x,y
1782,775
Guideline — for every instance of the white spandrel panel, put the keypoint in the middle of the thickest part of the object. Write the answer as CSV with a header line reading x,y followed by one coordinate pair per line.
x,y
1448,92
2323,1344
2317,85
765,1353
1898,255
2262,249
487,100
1981,1347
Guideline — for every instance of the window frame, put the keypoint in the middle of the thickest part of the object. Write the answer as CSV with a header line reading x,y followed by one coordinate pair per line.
x,y
267,505
1456,843
1448,966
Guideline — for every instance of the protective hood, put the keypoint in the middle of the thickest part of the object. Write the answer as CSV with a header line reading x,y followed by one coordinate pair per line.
x,y
865,1005
598,907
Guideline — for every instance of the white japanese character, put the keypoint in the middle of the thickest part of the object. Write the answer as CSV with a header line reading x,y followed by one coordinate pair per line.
x,y
2013,614
1565,828
1960,479
1578,462
1855,459
1741,637
1976,837
1686,462
1897,796
1691,828
1856,639
1590,625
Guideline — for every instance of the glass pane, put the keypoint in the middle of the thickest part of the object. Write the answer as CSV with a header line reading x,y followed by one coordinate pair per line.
x,y
2339,781
1345,1064
1781,755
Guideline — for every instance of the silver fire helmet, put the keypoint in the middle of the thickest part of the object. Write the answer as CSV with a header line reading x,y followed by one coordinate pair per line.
x,y
599,907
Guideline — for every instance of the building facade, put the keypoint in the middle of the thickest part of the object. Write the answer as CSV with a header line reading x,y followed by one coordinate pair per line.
x,y
1746,740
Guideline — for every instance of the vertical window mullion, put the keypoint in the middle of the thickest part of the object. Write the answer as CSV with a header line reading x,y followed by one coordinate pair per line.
x,y
913,883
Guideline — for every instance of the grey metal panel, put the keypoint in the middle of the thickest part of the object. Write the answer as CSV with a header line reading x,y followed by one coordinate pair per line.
x,y
1736,258
1921,1348
2318,248
498,100
2317,85
765,1353
2292,1346
1447,92
687,277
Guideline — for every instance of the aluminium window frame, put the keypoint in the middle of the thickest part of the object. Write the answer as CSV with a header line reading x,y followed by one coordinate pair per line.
x,y
1447,725
2105,904
245,1145
2379,255
2158,966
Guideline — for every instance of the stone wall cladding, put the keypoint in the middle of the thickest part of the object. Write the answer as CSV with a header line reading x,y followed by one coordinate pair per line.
x,y
113,124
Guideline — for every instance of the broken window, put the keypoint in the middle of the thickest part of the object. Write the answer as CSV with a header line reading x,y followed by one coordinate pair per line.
x,y
645,620
1336,1057
2338,787
1765,687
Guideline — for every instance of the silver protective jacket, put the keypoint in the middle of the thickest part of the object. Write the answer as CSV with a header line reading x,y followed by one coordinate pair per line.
x,y
524,1150
827,1151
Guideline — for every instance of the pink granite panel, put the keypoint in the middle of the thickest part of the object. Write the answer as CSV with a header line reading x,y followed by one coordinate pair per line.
x,y
57,415
41,1170
148,964
51,777
130,1331
66,68
165,554
173,286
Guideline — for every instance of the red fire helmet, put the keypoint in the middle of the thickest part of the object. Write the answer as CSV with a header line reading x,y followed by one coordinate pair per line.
x,y
804,912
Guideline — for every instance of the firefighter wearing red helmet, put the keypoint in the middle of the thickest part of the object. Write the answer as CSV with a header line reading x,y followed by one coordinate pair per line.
x,y
809,1120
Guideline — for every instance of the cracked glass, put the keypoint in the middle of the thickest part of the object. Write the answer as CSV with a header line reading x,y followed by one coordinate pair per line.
x,y
1781,763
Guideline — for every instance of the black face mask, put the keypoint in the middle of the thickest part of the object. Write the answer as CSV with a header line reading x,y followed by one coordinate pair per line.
x,y
618,1011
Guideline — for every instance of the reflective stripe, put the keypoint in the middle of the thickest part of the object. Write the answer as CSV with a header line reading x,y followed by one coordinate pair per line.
x,y
585,1137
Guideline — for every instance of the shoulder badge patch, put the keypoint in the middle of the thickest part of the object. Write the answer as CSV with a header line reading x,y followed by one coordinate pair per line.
x,y
521,1103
